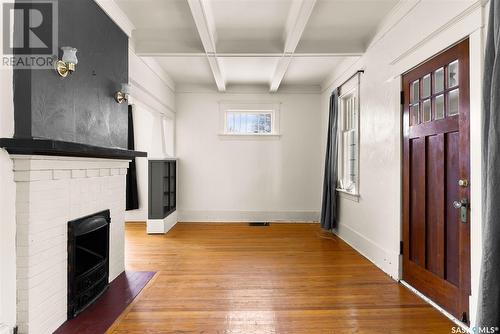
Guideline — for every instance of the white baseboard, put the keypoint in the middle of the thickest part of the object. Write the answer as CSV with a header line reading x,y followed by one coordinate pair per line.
x,y
136,215
248,216
386,260
161,226
4,329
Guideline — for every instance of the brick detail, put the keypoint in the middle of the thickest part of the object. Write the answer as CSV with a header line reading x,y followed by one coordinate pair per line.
x,y
49,193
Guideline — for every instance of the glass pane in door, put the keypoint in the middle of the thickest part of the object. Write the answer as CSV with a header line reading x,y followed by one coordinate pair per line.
x,y
438,80
453,98
426,110
453,74
426,86
439,107
414,92
414,114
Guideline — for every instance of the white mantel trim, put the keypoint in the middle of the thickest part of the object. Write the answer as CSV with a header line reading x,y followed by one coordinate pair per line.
x,y
45,162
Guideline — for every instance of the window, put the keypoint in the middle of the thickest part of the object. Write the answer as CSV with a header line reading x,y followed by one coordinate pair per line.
x,y
248,122
348,137
426,106
249,119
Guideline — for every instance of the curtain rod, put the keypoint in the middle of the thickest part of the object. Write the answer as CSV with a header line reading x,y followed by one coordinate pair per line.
x,y
352,76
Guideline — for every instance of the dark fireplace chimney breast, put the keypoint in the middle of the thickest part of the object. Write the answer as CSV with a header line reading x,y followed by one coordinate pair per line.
x,y
88,260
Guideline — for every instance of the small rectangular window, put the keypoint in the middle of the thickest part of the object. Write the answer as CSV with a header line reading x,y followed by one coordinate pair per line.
x,y
249,122
249,119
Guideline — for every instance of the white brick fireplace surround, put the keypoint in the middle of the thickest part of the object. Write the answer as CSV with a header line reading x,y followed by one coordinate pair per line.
x,y
50,191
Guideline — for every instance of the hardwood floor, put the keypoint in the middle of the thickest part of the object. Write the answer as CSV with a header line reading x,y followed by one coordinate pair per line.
x,y
285,278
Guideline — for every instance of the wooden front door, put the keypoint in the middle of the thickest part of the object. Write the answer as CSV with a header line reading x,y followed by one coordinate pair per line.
x,y
436,226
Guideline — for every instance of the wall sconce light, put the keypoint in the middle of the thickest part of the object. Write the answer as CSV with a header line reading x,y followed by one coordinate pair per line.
x,y
68,62
123,94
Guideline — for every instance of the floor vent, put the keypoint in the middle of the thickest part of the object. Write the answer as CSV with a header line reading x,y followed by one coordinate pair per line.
x,y
259,224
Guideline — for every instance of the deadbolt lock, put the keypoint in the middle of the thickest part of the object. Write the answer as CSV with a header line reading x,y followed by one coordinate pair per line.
x,y
462,205
463,183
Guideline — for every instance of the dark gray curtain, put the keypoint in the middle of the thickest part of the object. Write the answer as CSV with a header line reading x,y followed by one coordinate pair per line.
x,y
329,205
489,291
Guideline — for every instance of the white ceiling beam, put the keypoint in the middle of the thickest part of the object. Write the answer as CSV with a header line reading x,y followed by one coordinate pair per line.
x,y
217,72
203,18
117,15
299,15
279,73
247,54
205,24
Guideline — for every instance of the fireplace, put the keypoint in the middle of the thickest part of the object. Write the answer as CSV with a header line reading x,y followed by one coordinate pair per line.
x,y
88,260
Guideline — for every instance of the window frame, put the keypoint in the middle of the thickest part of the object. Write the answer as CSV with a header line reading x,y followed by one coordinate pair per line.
x,y
348,90
226,107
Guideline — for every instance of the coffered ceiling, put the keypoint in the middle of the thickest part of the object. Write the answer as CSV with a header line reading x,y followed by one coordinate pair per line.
x,y
255,42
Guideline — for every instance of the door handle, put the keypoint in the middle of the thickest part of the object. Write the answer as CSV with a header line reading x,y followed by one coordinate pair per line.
x,y
462,205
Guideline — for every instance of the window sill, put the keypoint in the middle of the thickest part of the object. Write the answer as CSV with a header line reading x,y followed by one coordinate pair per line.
x,y
229,136
348,195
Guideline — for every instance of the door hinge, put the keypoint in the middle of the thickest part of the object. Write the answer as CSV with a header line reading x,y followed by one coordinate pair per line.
x,y
401,248
402,98
464,317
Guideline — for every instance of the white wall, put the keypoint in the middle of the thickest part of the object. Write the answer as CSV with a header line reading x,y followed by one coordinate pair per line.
x,y
228,179
7,206
153,103
373,225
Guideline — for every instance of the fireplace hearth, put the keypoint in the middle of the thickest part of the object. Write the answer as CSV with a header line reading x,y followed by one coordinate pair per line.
x,y
88,260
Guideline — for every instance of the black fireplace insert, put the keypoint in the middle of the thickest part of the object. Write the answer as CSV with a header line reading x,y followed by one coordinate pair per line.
x,y
88,260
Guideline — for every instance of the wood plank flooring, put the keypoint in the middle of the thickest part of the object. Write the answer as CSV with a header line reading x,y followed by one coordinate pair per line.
x,y
285,278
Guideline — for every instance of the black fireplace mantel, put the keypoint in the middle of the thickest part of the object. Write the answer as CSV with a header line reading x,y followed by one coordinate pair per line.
x,y
64,148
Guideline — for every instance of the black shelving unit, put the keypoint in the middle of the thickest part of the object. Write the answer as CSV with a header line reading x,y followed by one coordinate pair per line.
x,y
162,188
